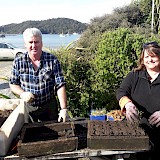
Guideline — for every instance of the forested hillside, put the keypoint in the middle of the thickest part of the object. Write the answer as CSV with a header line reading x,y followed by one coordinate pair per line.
x,y
50,26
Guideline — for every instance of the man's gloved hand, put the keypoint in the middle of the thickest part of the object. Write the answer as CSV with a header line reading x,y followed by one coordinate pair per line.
x,y
154,119
63,115
27,96
131,112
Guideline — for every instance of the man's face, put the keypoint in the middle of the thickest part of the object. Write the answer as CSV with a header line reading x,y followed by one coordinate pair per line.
x,y
33,45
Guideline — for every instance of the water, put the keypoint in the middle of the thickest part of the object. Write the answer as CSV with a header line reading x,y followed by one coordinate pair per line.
x,y
49,40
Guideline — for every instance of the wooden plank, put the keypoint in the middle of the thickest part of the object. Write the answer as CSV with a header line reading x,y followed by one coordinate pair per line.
x,y
83,153
47,138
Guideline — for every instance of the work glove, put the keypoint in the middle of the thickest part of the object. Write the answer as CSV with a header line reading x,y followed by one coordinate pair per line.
x,y
154,119
63,115
131,112
27,96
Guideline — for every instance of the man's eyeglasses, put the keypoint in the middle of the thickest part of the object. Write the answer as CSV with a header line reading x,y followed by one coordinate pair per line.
x,y
150,43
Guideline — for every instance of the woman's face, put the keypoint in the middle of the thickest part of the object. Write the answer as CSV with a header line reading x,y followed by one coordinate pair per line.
x,y
151,62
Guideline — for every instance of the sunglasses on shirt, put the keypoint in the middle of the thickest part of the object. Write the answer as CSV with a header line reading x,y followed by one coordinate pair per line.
x,y
150,43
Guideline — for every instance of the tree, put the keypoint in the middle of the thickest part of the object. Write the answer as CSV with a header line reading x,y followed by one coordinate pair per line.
x,y
157,16
146,7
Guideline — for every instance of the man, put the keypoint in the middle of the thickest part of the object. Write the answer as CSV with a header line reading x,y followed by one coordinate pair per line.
x,y
37,78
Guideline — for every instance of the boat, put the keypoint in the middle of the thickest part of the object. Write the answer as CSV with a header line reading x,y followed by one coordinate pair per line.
x,y
75,33
62,35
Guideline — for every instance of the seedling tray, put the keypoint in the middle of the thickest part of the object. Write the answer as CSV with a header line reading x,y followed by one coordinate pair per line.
x,y
116,135
47,138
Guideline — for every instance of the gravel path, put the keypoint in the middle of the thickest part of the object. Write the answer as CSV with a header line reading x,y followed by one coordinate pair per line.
x,y
5,69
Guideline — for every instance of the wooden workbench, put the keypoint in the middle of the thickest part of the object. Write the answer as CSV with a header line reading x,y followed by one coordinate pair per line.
x,y
83,153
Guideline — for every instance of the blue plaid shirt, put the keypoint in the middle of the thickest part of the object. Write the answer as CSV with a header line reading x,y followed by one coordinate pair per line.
x,y
40,82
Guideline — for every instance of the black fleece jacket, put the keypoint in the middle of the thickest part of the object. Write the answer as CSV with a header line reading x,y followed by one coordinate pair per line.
x,y
144,94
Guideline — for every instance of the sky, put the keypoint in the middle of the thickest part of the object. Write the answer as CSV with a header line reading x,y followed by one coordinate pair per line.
x,y
17,11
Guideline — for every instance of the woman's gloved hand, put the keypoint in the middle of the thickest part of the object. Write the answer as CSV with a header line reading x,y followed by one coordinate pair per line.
x,y
131,112
27,97
154,119
63,115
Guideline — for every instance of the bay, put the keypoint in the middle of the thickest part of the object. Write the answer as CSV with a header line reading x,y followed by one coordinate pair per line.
x,y
53,41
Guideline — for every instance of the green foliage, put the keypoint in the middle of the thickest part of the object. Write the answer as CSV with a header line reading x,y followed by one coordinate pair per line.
x,y
116,55
4,96
89,40
130,14
93,76
76,70
146,8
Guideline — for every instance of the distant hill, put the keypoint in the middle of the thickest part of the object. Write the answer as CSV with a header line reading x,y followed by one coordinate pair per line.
x,y
49,26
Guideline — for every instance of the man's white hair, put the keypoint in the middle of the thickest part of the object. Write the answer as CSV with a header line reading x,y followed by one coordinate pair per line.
x,y
30,32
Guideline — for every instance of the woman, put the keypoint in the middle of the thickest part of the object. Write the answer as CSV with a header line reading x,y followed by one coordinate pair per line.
x,y
139,94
